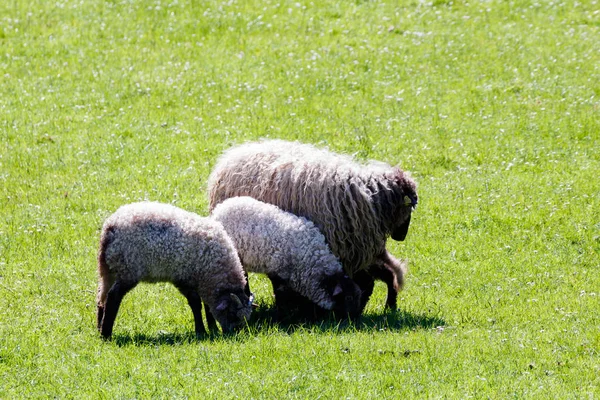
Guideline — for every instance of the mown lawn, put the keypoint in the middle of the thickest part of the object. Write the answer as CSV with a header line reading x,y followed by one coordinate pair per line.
x,y
493,106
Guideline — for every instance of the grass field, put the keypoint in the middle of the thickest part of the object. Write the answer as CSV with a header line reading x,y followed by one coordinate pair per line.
x,y
493,106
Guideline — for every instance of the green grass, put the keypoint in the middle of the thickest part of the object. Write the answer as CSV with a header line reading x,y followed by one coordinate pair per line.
x,y
493,106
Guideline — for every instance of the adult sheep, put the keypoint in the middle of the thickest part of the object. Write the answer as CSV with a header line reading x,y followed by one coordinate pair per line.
x,y
154,242
356,206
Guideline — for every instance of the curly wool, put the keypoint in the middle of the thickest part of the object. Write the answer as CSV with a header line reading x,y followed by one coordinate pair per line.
x,y
154,242
356,206
274,242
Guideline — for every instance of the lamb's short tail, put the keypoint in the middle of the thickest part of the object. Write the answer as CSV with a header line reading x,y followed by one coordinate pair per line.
x,y
105,240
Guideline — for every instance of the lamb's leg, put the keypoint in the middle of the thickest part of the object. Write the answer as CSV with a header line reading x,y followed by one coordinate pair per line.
x,y
210,320
104,284
285,298
100,317
287,301
366,283
111,307
195,303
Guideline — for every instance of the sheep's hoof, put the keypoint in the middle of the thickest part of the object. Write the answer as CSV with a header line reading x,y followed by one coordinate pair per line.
x,y
105,334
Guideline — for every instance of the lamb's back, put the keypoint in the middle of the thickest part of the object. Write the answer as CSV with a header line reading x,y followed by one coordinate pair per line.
x,y
267,238
156,242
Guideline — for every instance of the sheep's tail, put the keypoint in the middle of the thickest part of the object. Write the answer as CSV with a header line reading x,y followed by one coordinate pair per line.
x,y
105,240
398,267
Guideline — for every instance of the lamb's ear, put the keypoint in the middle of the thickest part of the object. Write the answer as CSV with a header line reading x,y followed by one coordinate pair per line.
x,y
399,234
222,305
337,290
236,300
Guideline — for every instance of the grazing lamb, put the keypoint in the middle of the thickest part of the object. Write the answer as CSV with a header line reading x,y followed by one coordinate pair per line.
x,y
290,250
355,206
154,242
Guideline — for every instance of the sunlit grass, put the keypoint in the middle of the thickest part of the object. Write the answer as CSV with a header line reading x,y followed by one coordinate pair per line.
x,y
493,106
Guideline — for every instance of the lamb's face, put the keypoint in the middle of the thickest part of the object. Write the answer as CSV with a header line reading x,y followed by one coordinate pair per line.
x,y
346,295
233,310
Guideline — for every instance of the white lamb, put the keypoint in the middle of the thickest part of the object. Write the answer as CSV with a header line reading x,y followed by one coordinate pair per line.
x,y
290,250
154,242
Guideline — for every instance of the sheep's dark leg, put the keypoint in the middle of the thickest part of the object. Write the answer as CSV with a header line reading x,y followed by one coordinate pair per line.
x,y
287,300
210,319
392,296
284,296
366,283
100,316
111,307
106,281
388,276
195,303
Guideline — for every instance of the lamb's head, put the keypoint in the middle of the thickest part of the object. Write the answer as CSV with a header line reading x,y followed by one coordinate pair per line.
x,y
346,295
232,309
399,201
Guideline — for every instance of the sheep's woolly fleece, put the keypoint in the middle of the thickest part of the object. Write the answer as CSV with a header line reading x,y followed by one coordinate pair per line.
x,y
356,206
155,242
272,241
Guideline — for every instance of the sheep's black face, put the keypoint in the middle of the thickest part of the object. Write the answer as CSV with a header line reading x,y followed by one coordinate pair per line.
x,y
233,309
399,234
396,200
408,202
346,297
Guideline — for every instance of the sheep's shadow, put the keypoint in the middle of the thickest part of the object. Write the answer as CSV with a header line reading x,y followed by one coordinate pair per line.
x,y
397,320
162,338
266,318
170,338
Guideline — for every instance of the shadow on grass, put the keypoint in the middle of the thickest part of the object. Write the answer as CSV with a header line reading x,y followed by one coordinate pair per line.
x,y
142,339
266,319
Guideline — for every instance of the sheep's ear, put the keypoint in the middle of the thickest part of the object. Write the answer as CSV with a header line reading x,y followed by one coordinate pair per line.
x,y
236,300
337,290
400,232
222,305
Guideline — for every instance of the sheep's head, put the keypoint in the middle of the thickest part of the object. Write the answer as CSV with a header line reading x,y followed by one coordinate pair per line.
x,y
233,309
405,200
346,295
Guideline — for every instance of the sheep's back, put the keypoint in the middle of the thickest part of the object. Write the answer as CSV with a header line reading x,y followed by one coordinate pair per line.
x,y
158,242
